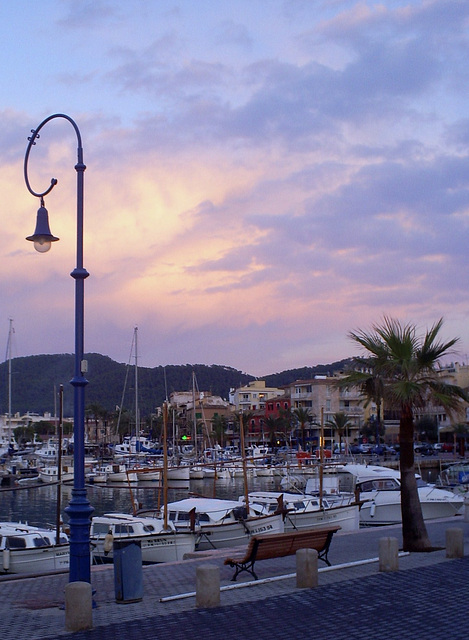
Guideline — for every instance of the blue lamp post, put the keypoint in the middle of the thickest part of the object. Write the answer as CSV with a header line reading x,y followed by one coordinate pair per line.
x,y
79,509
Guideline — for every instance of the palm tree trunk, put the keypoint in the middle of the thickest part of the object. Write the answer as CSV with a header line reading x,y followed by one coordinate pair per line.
x,y
414,531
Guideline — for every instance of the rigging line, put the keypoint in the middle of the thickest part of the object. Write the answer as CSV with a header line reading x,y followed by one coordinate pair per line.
x,y
125,384
204,420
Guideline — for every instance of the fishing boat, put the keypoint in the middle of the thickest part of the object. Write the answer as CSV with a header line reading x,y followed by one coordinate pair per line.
x,y
221,523
26,549
158,544
50,473
301,511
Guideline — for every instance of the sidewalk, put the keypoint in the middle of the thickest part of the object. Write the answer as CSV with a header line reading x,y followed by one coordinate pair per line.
x,y
425,599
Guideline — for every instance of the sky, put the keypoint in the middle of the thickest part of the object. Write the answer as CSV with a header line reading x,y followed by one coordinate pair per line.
x,y
263,176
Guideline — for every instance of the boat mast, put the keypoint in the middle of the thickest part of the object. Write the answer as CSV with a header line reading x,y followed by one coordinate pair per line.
x,y
194,416
137,414
243,455
10,337
165,465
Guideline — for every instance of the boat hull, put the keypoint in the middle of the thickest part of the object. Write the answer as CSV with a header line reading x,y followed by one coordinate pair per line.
x,y
383,509
162,547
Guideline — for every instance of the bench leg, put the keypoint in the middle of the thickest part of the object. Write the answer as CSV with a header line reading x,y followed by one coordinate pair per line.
x,y
249,567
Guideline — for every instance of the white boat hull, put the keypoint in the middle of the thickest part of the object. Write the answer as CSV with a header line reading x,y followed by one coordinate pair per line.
x,y
232,534
31,550
385,506
347,517
162,547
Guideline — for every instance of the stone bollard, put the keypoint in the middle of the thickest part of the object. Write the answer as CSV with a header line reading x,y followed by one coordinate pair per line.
x,y
388,554
207,591
466,509
306,568
78,606
454,543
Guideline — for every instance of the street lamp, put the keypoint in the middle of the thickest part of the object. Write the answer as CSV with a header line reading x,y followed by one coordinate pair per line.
x,y
79,509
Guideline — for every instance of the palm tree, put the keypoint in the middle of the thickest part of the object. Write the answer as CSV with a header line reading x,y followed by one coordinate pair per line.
x,y
218,428
339,423
303,416
272,425
405,364
460,431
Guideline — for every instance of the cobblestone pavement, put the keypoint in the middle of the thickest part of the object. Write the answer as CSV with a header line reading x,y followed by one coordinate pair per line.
x,y
425,599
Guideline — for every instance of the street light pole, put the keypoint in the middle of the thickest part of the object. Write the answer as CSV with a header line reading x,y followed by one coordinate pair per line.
x,y
79,509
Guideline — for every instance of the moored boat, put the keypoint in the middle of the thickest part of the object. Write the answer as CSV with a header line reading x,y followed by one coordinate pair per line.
x,y
221,523
379,489
157,543
301,511
26,549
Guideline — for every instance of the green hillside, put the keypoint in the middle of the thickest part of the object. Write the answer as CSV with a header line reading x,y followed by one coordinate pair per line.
x,y
34,379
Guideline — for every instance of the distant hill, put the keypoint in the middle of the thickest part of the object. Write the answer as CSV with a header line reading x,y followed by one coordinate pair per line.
x,y
34,379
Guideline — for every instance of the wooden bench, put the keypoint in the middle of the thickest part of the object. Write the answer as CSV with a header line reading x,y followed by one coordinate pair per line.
x,y
278,545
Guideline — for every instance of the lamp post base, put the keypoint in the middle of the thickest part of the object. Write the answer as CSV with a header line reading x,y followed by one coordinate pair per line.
x,y
79,511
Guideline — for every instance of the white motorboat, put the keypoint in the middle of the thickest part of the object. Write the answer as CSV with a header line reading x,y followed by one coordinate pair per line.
x,y
121,473
50,473
181,472
221,523
302,511
25,549
380,489
157,543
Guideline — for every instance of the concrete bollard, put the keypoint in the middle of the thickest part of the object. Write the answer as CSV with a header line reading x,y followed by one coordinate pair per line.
x,y
306,568
454,543
388,554
78,606
207,591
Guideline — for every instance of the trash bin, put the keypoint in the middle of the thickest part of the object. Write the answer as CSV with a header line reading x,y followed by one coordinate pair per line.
x,y
128,577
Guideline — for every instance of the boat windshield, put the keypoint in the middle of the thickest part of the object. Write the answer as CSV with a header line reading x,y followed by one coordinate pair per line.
x,y
380,484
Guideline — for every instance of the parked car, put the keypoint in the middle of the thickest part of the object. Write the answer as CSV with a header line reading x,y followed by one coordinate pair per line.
x,y
444,447
423,448
378,449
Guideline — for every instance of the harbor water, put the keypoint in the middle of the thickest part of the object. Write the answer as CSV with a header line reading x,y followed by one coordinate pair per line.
x,y
38,505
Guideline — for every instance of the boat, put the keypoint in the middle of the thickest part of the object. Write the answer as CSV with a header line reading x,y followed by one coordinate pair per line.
x,y
455,478
301,511
221,523
379,489
157,543
26,549
121,473
50,473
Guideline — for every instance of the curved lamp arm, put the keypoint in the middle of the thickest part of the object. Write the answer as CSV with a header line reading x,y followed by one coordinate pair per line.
x,y
42,236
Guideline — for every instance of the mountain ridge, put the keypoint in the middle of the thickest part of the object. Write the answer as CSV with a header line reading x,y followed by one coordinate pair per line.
x,y
35,382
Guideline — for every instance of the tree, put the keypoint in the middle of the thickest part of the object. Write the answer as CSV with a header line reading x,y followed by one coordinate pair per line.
x,y
339,423
460,432
426,428
219,428
303,417
405,365
272,425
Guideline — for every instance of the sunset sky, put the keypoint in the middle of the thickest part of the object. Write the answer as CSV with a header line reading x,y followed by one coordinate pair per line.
x,y
263,176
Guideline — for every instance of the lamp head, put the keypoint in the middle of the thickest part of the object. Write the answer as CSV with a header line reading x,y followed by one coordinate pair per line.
x,y
42,237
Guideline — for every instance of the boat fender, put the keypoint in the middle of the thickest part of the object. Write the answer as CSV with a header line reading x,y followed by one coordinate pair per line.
x,y
372,509
6,559
108,542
